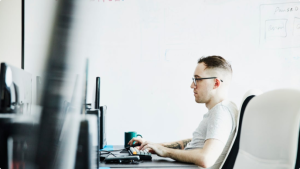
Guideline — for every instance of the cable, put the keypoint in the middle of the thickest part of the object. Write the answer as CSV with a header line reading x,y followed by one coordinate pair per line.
x,y
106,152
109,153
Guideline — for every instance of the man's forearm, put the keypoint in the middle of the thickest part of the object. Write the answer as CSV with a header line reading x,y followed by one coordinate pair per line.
x,y
177,144
195,156
203,157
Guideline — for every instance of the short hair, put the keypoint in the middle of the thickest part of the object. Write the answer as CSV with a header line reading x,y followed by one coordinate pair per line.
x,y
215,62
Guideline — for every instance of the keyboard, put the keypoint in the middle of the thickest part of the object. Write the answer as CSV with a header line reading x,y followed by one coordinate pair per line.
x,y
143,154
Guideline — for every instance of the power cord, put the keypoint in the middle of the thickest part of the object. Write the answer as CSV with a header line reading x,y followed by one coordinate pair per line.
x,y
107,153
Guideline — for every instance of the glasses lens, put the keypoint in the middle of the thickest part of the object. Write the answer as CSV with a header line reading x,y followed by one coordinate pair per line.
x,y
194,81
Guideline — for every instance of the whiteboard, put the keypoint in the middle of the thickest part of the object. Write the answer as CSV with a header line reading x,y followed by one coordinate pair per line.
x,y
145,52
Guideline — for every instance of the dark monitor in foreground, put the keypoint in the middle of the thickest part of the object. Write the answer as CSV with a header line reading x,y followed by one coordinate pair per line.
x,y
15,90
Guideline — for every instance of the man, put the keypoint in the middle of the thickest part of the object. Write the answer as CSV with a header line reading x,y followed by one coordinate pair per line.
x,y
212,139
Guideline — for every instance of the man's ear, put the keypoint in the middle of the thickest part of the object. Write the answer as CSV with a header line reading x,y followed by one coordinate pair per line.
x,y
217,83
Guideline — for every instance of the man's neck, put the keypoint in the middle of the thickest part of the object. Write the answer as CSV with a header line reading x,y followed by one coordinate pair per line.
x,y
213,102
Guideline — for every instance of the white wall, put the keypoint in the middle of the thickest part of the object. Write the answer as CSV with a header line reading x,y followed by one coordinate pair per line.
x,y
145,52
11,32
39,17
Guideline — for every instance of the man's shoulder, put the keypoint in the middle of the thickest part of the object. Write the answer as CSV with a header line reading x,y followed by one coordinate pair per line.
x,y
225,106
230,105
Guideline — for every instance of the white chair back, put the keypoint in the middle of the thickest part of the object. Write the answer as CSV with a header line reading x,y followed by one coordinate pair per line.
x,y
251,92
231,155
270,131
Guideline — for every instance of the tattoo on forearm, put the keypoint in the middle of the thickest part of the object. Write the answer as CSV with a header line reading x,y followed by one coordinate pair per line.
x,y
179,145
174,146
185,142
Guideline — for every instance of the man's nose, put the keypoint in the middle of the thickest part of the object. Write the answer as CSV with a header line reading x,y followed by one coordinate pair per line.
x,y
193,85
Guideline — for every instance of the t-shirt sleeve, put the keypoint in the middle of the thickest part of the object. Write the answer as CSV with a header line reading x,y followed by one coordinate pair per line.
x,y
220,124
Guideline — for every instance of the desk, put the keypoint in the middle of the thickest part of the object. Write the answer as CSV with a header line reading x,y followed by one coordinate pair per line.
x,y
157,162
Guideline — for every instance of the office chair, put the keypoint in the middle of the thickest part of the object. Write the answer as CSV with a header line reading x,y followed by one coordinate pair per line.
x,y
229,160
270,132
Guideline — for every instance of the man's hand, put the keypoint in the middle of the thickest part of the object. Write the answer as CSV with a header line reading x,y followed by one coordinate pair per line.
x,y
138,140
157,148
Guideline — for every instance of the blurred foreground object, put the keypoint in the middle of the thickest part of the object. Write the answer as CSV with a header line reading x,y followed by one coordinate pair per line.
x,y
17,140
62,98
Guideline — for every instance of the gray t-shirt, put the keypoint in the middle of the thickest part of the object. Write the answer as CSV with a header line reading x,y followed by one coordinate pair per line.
x,y
218,123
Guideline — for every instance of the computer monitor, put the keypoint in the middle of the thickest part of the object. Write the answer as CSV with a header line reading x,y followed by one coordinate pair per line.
x,y
100,112
97,94
103,141
15,90
103,110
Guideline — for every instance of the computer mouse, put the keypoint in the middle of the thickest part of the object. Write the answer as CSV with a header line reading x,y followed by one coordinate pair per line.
x,y
134,145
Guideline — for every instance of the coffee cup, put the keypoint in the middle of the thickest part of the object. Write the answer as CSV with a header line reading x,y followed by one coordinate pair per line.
x,y
129,135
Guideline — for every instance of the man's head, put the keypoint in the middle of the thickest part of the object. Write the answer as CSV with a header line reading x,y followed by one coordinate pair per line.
x,y
214,89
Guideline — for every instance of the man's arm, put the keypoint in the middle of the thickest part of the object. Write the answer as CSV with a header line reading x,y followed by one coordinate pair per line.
x,y
204,157
177,144
174,145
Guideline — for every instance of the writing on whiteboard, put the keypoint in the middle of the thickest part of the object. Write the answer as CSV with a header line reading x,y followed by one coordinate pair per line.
x,y
288,9
276,28
296,27
280,25
296,57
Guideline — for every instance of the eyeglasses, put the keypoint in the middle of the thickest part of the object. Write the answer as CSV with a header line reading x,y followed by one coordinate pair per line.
x,y
195,79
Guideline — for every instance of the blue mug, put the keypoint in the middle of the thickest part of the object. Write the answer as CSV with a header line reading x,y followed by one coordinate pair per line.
x,y
129,135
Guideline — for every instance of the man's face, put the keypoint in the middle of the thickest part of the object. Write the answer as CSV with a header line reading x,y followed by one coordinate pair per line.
x,y
203,89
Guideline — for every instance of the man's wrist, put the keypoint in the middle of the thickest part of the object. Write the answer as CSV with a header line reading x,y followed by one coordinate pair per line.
x,y
168,151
